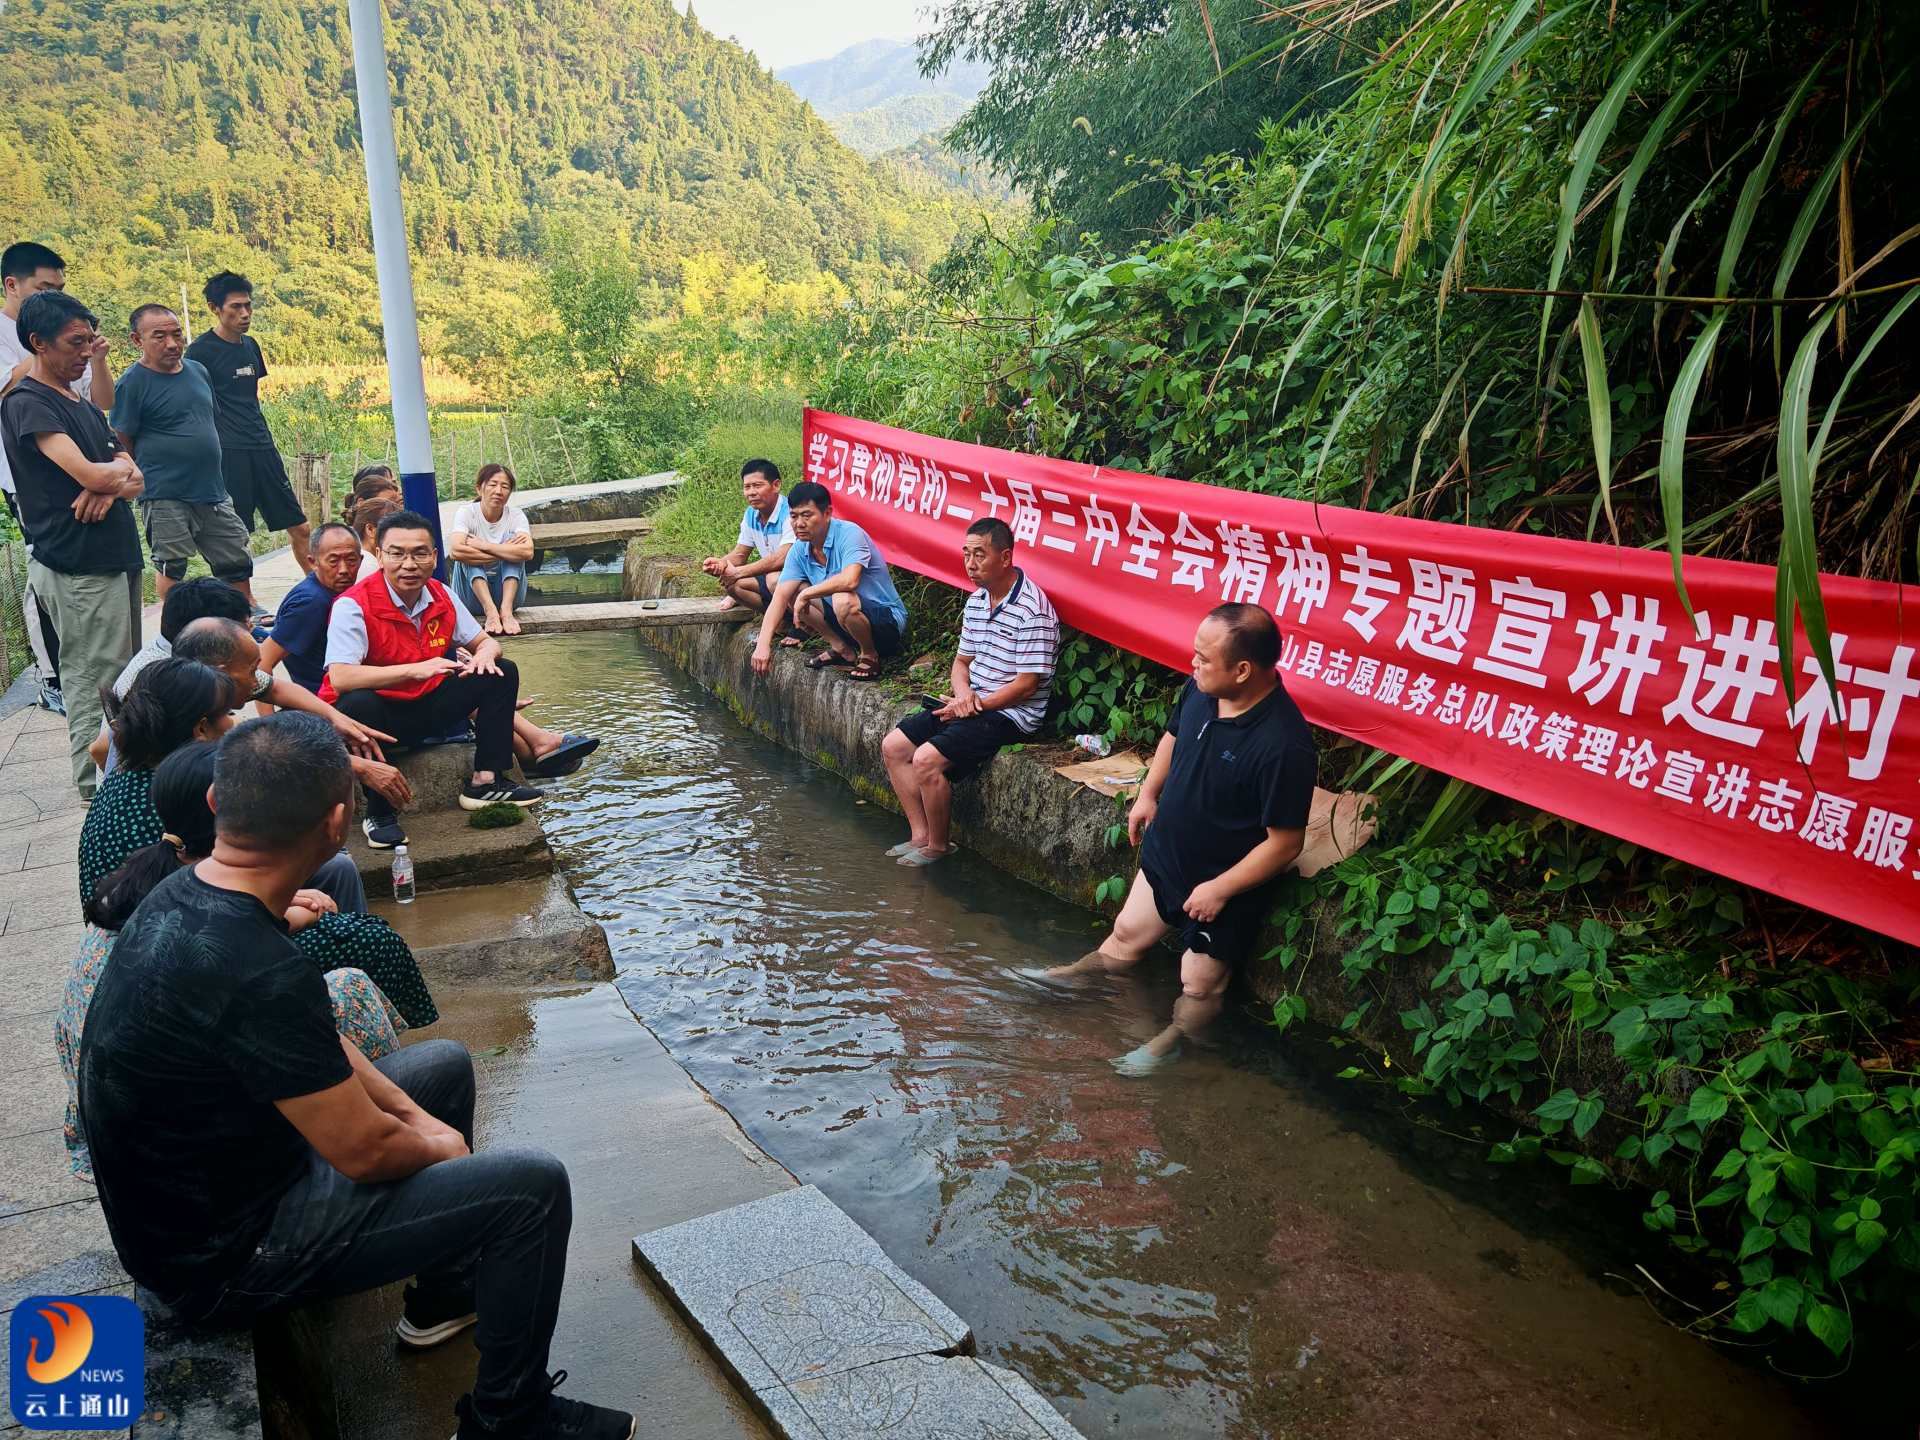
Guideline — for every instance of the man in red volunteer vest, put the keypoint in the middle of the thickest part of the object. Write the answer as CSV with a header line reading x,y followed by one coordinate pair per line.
x,y
394,662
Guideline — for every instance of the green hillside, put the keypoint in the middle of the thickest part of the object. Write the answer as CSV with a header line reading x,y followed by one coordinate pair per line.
x,y
133,131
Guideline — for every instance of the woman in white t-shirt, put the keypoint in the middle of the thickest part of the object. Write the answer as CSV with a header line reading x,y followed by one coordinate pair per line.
x,y
490,546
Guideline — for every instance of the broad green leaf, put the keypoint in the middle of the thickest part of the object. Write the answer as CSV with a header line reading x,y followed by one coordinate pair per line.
x,y
1599,406
1800,547
1706,1106
1798,1232
1757,1239
1588,1115
1831,1326
1650,144
1593,138
1560,1107
1780,1299
1673,443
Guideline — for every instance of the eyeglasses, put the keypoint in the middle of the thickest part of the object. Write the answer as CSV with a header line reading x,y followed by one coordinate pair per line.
x,y
423,555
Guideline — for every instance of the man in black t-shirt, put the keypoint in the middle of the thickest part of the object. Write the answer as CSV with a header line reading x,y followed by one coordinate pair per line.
x,y
1224,807
72,483
250,462
251,1160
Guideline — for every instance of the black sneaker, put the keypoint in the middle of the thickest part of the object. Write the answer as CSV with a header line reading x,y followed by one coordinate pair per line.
x,y
431,1319
498,791
555,1418
383,832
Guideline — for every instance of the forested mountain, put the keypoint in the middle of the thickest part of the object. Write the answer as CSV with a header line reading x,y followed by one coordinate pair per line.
x,y
132,129
875,72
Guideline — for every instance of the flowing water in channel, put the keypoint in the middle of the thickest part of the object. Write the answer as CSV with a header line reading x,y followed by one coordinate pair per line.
x,y
1233,1247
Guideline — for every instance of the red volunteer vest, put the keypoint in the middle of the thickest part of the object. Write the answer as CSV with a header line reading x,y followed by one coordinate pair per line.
x,y
393,637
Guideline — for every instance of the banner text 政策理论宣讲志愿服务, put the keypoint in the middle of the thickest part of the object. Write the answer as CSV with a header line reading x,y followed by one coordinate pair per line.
x,y
1557,672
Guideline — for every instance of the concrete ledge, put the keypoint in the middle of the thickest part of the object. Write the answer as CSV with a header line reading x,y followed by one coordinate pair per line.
x,y
437,774
522,931
629,615
447,851
201,1384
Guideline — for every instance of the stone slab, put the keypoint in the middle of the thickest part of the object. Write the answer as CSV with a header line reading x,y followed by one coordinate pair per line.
x,y
572,533
629,615
920,1397
528,931
64,1250
447,851
775,1322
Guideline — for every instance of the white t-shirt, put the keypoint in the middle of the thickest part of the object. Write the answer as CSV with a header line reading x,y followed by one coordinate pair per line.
x,y
765,537
472,520
12,352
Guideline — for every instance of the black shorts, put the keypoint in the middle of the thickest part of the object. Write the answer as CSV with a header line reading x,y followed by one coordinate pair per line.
x,y
1230,936
766,590
886,634
257,481
968,744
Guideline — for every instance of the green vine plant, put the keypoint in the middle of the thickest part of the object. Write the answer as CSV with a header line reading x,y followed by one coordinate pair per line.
x,y
1784,1144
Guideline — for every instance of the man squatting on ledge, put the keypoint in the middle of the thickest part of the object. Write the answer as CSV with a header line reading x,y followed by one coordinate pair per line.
x,y
1224,809
406,658
251,1160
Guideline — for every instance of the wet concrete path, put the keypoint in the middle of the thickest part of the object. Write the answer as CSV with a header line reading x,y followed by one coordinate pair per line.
x,y
1229,1248
574,1073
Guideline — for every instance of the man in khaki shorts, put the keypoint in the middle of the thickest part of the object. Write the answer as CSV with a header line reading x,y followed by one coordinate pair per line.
x,y
163,413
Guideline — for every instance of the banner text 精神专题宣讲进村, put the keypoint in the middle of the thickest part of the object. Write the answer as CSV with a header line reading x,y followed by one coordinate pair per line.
x,y
1563,674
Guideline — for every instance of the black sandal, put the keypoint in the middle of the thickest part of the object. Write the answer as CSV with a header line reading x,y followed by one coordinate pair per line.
x,y
827,658
865,670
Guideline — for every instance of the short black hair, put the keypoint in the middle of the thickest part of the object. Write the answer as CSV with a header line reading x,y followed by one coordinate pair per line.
x,y
809,492
402,520
226,283
1253,635
212,640
275,778
313,541
192,600
151,307
999,534
761,467
22,259
166,700
47,312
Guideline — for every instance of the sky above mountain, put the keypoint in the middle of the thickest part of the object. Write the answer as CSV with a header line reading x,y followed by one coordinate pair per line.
x,y
786,32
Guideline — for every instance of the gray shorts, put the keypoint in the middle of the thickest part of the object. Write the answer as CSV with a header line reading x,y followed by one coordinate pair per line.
x,y
177,530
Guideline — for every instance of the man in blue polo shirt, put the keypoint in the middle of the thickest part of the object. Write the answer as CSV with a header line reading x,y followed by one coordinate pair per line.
x,y
299,638
765,534
1224,808
837,584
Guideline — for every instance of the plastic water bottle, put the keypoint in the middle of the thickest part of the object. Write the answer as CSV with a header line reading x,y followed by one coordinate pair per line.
x,y
402,876
1095,743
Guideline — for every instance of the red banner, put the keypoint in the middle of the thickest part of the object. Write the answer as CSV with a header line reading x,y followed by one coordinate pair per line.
x,y
1560,673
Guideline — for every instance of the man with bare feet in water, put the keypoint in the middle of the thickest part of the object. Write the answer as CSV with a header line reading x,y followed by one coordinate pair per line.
x,y
1224,810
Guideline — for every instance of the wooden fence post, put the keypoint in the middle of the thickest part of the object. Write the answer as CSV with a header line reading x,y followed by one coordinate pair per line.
x,y
311,489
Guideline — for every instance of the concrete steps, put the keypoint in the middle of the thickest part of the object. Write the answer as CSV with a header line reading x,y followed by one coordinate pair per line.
x,y
526,931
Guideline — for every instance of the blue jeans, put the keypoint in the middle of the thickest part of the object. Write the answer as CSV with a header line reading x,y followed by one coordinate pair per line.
x,y
496,574
498,1221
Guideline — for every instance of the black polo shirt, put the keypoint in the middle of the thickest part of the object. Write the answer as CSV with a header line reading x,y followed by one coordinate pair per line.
x,y
1230,781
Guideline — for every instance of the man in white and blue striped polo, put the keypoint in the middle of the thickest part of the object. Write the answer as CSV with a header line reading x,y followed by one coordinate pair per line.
x,y
766,533
1001,680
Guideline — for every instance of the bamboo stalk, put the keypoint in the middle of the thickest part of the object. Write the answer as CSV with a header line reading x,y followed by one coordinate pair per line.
x,y
1691,299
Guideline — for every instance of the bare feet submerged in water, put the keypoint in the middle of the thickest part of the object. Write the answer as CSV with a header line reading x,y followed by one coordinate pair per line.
x,y
1091,963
